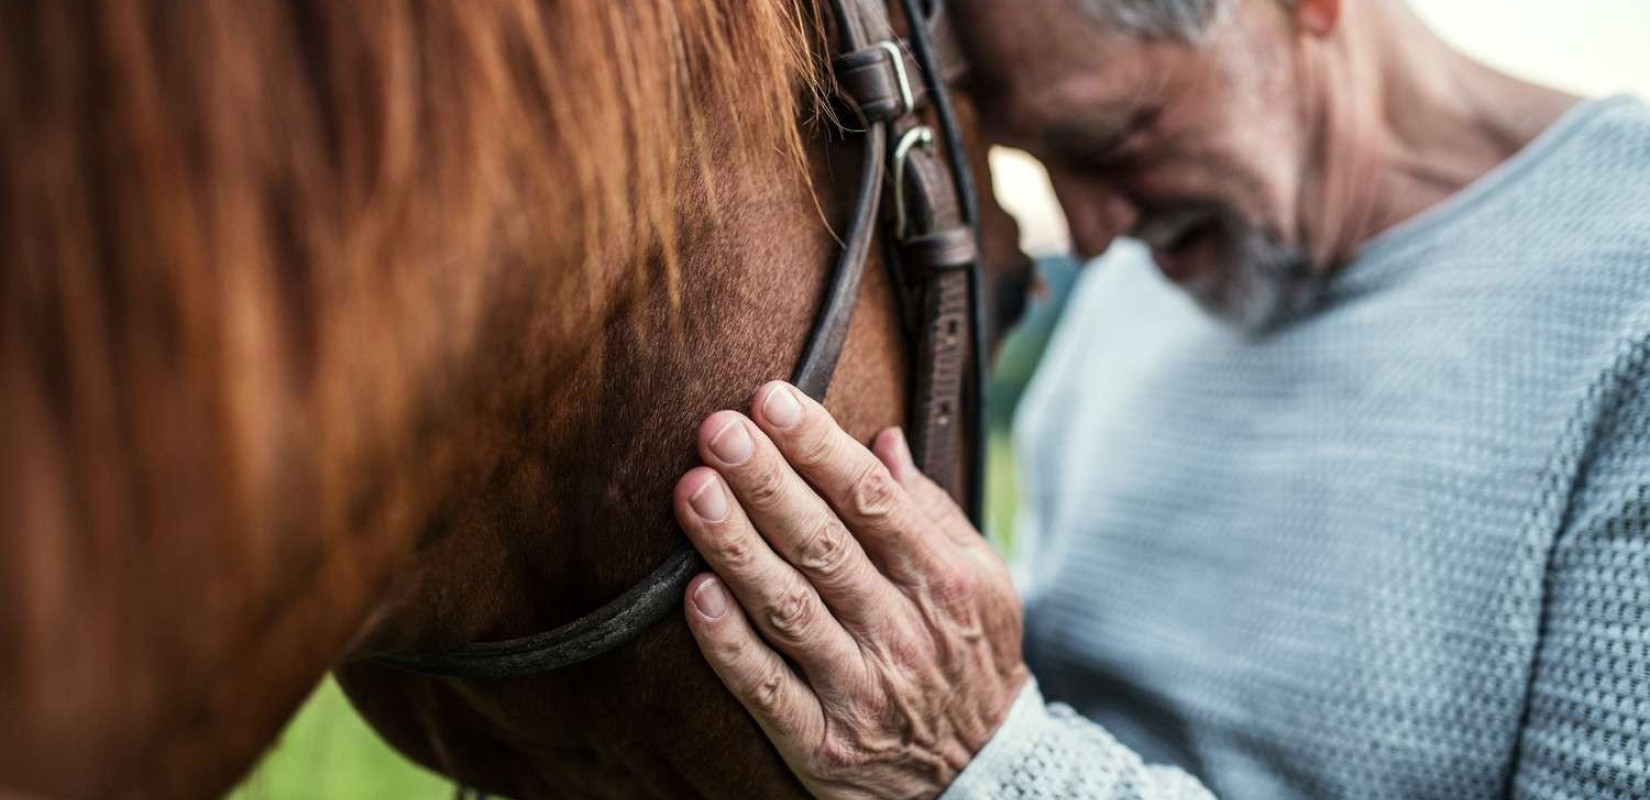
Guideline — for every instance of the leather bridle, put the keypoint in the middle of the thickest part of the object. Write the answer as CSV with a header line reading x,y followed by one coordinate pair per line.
x,y
934,258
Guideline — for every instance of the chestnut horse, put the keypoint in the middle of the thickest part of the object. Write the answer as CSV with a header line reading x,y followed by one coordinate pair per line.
x,y
336,329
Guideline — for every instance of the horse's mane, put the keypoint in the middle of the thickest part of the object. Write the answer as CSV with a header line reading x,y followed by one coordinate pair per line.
x,y
173,173
188,188
125,123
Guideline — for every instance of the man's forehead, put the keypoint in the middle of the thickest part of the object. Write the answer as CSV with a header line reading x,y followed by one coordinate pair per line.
x,y
1023,50
1022,34
1052,71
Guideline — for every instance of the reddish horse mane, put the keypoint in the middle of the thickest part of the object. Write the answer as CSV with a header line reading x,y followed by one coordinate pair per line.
x,y
251,250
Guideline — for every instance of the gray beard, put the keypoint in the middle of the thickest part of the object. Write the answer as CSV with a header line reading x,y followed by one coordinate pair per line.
x,y
1266,285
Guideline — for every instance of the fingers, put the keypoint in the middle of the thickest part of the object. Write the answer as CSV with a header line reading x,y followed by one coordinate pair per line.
x,y
786,608
891,448
756,675
855,483
795,522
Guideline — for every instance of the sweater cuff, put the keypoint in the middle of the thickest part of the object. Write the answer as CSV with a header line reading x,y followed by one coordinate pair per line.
x,y
1008,747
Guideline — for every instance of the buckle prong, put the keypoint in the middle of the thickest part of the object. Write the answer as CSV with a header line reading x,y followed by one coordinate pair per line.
x,y
919,136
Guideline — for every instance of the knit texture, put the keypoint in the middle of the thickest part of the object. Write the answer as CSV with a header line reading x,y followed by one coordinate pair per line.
x,y
1399,548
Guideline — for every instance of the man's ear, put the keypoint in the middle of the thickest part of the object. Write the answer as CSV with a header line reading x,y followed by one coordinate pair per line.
x,y
1317,17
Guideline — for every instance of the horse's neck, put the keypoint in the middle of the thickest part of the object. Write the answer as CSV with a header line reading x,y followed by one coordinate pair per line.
x,y
578,507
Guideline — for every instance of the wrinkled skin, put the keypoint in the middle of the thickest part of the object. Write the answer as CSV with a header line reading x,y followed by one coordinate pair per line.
x,y
865,576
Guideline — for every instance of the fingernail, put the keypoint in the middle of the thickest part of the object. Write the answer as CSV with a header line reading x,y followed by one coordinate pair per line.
x,y
709,502
709,598
732,443
781,407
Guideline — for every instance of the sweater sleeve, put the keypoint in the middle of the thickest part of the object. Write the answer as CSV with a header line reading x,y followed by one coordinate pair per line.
x,y
1049,751
1587,719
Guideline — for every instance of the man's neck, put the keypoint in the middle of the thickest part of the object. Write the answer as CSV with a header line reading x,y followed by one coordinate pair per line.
x,y
1424,122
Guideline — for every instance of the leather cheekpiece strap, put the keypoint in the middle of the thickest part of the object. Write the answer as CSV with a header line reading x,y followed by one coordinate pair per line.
x,y
941,251
935,257
869,80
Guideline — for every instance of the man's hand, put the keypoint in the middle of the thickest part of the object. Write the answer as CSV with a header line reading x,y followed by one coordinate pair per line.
x,y
900,621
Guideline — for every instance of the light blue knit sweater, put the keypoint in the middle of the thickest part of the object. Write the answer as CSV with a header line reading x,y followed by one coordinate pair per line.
x,y
1400,548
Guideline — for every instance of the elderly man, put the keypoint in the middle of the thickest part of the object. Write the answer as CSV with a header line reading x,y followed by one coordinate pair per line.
x,y
1348,495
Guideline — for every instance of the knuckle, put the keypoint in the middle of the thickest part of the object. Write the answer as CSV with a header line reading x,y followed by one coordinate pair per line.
x,y
824,552
792,613
954,586
764,486
814,446
872,494
736,550
767,692
910,652
732,650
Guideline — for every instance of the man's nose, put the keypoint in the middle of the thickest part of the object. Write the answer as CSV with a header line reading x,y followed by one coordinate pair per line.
x,y
1105,217
1096,212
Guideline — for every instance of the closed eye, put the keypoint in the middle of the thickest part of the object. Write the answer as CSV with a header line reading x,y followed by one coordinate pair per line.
x,y
1100,143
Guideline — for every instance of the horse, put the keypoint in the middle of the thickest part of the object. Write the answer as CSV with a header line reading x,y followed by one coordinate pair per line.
x,y
337,330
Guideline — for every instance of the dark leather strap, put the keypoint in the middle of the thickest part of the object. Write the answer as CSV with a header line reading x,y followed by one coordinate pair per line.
x,y
950,249
934,257
937,390
869,78
871,81
646,604
945,49
933,43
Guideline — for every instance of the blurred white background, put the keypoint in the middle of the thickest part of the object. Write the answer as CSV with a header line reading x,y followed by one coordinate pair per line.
x,y
1594,48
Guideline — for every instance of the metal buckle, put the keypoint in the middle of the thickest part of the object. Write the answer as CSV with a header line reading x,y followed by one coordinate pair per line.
x,y
897,58
920,136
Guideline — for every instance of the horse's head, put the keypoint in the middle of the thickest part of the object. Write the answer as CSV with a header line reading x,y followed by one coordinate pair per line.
x,y
339,330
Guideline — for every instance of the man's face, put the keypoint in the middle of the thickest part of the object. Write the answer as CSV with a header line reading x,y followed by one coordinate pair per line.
x,y
1197,149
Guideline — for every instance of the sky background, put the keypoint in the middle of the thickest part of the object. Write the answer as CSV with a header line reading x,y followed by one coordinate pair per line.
x,y
1594,48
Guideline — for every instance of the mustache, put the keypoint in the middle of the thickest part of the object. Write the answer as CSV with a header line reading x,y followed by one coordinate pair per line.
x,y
1166,229
1166,223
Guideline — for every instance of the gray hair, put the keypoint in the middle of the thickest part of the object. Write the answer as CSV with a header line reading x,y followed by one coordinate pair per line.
x,y
1182,19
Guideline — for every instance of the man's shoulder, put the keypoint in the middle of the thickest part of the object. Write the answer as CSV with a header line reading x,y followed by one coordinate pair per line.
x,y
1585,181
1624,119
1605,170
1592,186
1550,256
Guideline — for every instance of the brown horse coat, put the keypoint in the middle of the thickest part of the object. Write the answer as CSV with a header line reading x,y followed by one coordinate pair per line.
x,y
329,329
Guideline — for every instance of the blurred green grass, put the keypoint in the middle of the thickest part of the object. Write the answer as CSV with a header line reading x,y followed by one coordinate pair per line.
x,y
327,752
